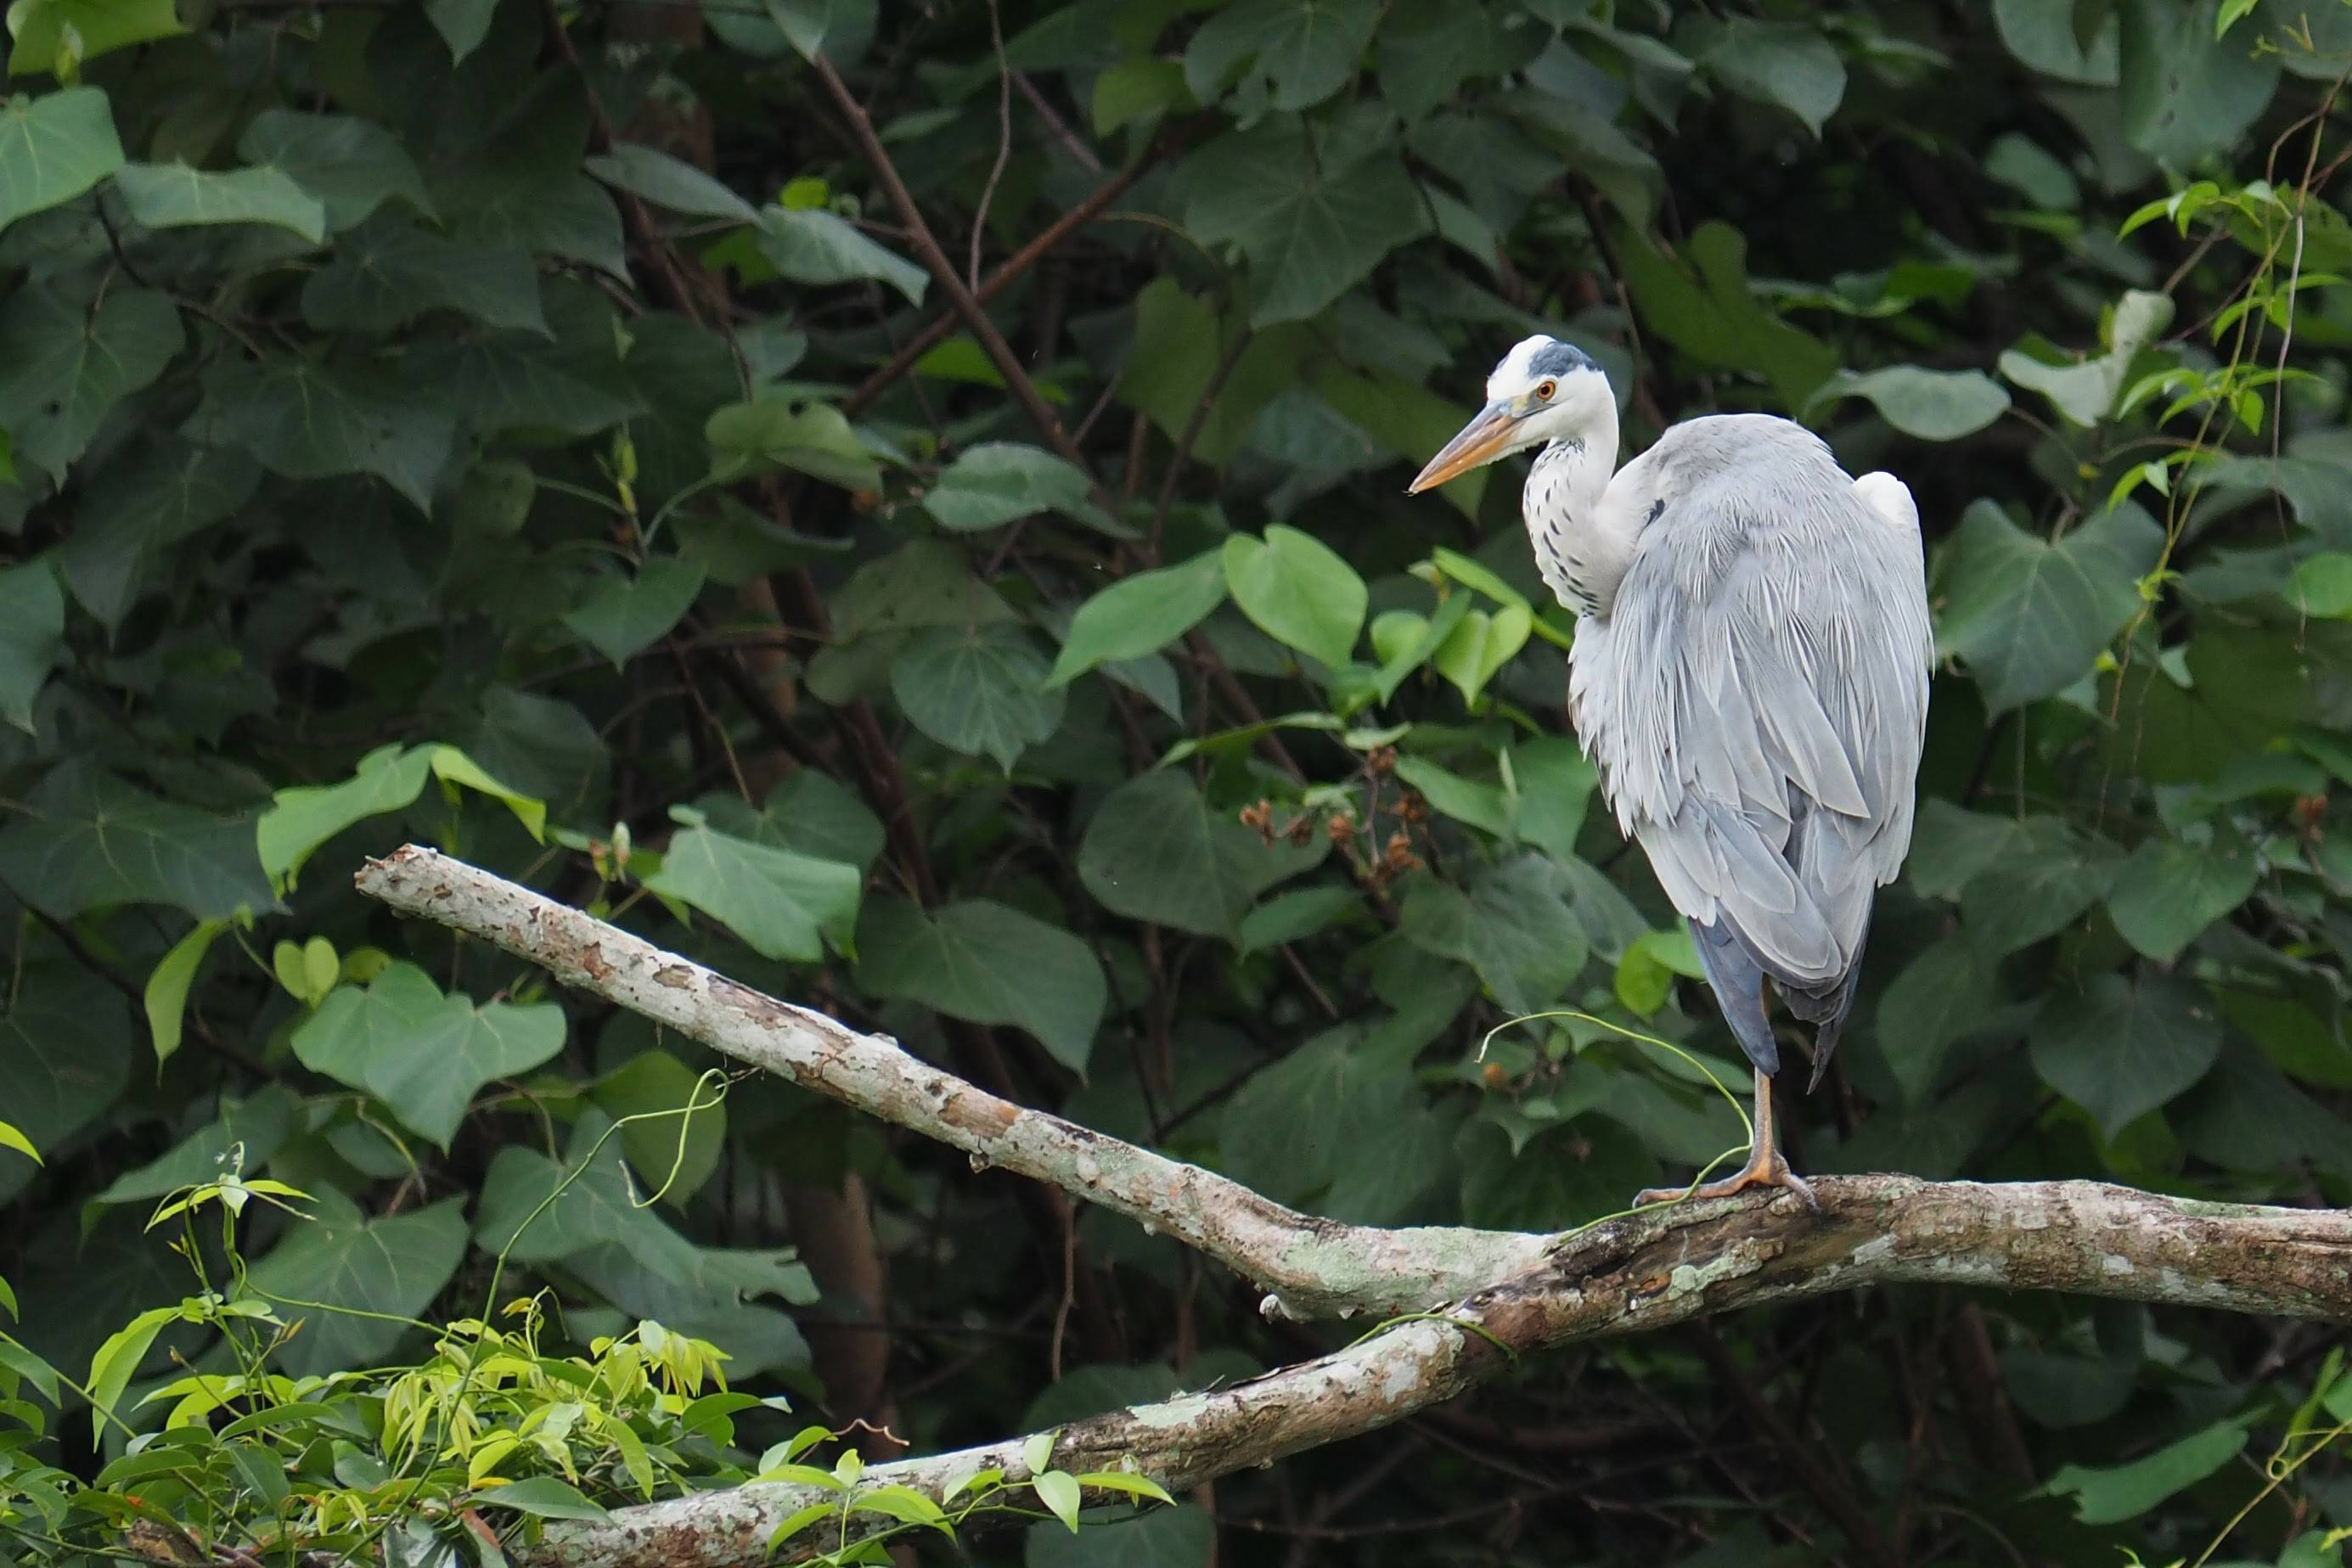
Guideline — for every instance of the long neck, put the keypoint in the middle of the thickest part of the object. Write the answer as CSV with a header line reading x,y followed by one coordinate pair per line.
x,y
1582,549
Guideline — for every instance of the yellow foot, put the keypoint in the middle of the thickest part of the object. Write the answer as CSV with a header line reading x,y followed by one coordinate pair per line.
x,y
1770,1171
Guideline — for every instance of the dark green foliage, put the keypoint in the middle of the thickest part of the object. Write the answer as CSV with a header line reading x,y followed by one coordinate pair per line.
x,y
461,422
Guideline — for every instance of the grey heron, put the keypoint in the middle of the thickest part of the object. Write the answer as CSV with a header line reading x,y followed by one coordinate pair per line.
x,y
1750,676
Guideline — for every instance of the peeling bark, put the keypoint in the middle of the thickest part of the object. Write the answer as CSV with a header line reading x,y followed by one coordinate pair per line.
x,y
1511,1294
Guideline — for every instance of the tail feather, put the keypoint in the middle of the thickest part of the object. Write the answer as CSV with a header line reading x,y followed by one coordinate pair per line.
x,y
1827,1007
1737,981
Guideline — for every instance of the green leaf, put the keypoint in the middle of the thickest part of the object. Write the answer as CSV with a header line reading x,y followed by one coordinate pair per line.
x,y
1483,806
1154,851
1182,344
111,1369
999,482
304,421
2045,877
32,629
838,29
1566,1175
2120,1049
979,689
63,367
1184,1536
1646,975
1302,50
517,202
1058,1491
172,195
2183,96
1294,917
620,617
388,1266
1298,591
88,840
1135,91
1141,614
259,1124
65,1056
424,1054
516,381
306,816
1340,1124
1481,645
810,811
462,24
452,766
2029,617
146,498
10,1138
901,1503
16,1358
1934,405
55,37
2168,893
759,437
1513,927
1555,784
350,165
810,245
53,148
2322,585
1932,1001
1703,303
2043,36
2085,392
1783,63
165,995
388,779
782,905
1312,227
536,1211
1430,48
2128,1491
668,181
680,1150
985,963
391,269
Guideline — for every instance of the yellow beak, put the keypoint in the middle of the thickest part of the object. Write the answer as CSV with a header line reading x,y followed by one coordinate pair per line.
x,y
1484,439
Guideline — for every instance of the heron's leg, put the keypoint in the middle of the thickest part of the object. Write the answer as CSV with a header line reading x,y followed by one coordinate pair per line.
x,y
1765,1166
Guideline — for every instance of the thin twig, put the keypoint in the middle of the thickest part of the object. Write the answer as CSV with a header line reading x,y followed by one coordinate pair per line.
x,y
1004,138
935,260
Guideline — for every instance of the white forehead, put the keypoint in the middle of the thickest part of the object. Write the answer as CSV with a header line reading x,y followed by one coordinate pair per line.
x,y
1539,359
1518,367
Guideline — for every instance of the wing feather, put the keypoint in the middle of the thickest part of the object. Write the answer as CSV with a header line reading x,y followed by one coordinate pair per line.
x,y
1756,697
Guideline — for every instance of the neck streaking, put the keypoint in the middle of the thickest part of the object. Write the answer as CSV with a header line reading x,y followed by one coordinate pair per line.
x,y
1582,557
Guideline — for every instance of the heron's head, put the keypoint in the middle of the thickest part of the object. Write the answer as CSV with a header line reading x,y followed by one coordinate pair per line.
x,y
1543,391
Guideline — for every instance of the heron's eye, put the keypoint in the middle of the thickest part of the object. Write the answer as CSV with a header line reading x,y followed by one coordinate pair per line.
x,y
1546,390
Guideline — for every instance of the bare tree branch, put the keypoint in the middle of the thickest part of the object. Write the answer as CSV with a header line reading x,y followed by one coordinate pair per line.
x,y
1315,1268
1512,1294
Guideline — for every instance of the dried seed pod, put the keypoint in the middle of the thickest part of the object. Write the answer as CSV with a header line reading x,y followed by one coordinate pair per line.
x,y
1397,855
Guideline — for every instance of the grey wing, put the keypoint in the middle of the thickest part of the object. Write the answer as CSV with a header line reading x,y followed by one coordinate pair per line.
x,y
1757,702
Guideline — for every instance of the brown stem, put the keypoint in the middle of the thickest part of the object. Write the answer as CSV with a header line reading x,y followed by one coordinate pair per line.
x,y
943,272
1004,277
